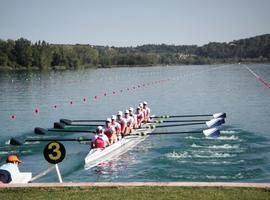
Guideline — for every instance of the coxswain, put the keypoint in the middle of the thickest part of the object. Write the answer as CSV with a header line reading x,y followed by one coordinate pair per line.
x,y
10,169
109,130
100,140
140,116
117,127
123,122
129,122
146,111
134,118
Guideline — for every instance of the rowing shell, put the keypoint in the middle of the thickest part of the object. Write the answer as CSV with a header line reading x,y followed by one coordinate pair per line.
x,y
97,155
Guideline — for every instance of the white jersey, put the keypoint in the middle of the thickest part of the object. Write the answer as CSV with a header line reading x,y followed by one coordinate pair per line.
x,y
140,115
103,137
129,120
146,112
134,117
12,169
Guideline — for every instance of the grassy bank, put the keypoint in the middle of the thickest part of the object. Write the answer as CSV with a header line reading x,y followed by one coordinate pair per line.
x,y
125,193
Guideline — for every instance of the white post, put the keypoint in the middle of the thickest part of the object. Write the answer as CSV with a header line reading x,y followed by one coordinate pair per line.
x,y
58,173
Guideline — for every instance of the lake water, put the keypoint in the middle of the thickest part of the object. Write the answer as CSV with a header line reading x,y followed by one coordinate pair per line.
x,y
240,154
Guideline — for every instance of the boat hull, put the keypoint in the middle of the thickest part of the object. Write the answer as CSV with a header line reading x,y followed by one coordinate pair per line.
x,y
96,156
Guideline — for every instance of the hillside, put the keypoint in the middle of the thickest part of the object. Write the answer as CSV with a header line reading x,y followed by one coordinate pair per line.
x,y
23,54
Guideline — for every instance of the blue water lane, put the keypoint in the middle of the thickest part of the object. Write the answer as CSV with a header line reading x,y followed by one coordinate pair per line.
x,y
239,154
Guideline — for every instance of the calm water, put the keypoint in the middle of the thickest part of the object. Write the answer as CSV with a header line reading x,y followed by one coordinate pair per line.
x,y
240,154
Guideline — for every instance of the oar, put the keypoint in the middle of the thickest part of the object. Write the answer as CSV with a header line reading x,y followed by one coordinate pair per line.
x,y
17,142
172,125
212,132
69,122
63,125
215,115
172,121
210,124
42,131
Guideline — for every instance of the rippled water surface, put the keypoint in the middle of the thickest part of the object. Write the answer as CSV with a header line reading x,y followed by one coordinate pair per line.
x,y
241,153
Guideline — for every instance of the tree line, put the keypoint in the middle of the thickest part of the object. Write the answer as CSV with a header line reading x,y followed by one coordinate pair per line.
x,y
22,54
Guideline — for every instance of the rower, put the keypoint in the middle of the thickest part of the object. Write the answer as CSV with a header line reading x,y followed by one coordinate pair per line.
x,y
140,116
101,140
146,111
129,122
141,109
117,127
134,118
10,170
123,122
110,131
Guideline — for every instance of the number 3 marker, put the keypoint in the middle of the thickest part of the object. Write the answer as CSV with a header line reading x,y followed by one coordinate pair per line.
x,y
54,152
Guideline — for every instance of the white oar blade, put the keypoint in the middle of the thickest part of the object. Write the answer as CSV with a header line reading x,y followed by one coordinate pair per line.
x,y
215,122
219,115
211,132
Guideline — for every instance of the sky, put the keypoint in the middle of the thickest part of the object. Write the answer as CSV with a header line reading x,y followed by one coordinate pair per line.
x,y
133,22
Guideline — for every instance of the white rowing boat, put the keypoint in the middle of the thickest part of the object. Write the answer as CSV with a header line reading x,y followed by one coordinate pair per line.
x,y
97,155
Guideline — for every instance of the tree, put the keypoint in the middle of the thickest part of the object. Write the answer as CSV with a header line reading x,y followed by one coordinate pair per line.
x,y
23,52
86,54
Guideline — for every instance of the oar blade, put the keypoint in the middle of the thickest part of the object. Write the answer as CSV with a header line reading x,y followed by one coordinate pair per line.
x,y
212,132
215,122
15,142
40,131
220,115
59,125
66,121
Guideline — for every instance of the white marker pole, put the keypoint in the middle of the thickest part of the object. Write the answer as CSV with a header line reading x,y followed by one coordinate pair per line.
x,y
58,173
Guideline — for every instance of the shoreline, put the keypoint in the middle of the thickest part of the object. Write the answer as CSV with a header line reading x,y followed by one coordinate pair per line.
x,y
138,184
64,68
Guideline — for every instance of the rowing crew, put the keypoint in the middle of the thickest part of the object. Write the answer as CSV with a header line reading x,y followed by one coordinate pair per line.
x,y
121,125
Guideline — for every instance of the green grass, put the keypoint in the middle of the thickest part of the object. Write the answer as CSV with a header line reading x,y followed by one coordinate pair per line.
x,y
126,193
